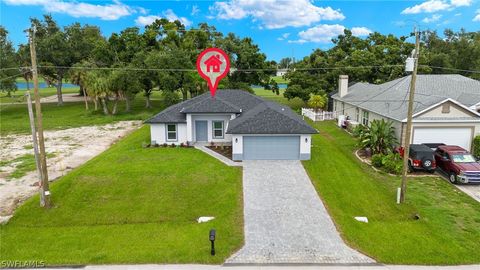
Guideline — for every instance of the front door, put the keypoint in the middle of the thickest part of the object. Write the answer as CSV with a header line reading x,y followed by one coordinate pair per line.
x,y
201,131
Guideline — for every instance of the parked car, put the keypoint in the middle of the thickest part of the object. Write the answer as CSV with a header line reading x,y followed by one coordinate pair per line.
x,y
458,163
421,157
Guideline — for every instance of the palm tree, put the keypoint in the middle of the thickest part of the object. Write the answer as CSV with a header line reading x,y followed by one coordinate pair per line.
x,y
317,102
379,137
78,76
97,87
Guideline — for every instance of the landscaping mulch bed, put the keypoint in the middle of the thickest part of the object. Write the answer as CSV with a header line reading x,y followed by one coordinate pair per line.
x,y
225,151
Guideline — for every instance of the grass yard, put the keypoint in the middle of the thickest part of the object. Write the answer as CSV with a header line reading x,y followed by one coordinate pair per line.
x,y
19,95
447,232
279,79
132,205
295,104
14,118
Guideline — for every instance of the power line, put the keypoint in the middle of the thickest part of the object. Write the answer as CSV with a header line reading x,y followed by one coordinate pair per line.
x,y
14,76
242,70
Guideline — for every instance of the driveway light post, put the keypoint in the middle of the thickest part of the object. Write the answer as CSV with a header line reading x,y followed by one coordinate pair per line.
x,y
212,240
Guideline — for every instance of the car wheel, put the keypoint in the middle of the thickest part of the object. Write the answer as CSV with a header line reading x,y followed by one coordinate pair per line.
x,y
453,178
427,163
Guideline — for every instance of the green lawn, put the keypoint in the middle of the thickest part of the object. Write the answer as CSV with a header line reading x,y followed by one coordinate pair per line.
x,y
14,118
19,95
448,231
279,79
295,104
132,205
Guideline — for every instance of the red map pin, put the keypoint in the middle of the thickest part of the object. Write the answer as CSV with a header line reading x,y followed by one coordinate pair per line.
x,y
213,64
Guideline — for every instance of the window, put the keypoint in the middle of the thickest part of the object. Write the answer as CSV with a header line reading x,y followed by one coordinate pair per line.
x,y
335,106
365,118
343,108
217,129
357,114
171,132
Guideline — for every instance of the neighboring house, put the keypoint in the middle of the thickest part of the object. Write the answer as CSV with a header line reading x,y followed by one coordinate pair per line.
x,y
445,108
256,128
281,72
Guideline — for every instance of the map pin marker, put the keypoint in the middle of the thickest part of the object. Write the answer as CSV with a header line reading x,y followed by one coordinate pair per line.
x,y
213,65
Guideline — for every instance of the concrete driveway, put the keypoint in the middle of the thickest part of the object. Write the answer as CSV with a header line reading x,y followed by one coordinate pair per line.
x,y
472,190
285,220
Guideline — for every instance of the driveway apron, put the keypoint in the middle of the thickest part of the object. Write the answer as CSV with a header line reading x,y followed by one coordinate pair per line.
x,y
285,220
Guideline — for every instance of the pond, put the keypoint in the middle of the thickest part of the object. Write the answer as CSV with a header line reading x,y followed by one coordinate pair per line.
x,y
280,86
23,85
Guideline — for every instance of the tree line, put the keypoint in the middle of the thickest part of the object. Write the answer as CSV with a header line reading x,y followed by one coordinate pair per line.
x,y
117,68
380,58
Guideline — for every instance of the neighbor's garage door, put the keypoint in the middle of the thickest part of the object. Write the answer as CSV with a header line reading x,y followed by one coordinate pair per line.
x,y
451,136
271,147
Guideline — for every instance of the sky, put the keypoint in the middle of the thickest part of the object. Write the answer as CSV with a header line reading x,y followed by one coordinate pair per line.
x,y
281,28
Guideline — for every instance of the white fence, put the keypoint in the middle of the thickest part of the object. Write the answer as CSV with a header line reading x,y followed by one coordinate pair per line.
x,y
318,116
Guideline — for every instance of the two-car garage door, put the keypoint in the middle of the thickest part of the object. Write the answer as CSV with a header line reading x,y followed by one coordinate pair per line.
x,y
271,147
461,136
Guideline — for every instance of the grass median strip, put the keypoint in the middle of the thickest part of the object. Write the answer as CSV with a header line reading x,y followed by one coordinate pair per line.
x,y
446,233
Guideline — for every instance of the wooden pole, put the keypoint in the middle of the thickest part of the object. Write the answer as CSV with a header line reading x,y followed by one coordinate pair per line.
x,y
35,146
44,187
406,142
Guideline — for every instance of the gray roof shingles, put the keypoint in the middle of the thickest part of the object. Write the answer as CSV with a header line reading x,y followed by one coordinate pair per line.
x,y
254,114
390,99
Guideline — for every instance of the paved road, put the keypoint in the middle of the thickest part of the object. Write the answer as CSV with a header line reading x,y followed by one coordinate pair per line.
x,y
218,267
285,221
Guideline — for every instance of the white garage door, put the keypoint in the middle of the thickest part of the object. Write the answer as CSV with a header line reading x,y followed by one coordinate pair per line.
x,y
451,136
271,147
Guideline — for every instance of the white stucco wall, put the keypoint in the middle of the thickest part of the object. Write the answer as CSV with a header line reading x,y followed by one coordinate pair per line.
x,y
158,133
209,118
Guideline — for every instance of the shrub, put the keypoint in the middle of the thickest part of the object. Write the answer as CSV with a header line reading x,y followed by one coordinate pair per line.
x,y
164,144
377,160
476,147
182,144
173,145
358,131
392,163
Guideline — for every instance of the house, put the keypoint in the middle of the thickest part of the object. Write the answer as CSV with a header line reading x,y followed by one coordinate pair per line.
x,y
445,108
281,72
256,128
213,63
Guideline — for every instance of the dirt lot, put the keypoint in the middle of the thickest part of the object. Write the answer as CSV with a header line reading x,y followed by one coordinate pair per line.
x,y
67,149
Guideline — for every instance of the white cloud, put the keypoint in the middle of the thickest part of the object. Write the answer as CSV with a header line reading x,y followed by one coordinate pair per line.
x,y
111,11
168,14
461,3
477,17
361,31
324,33
195,10
432,6
427,7
321,33
171,16
274,14
433,18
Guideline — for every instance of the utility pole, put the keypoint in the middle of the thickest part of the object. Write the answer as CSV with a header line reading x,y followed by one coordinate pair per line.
x,y
44,187
406,142
35,146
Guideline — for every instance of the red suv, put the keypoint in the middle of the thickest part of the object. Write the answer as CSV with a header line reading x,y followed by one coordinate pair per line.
x,y
458,163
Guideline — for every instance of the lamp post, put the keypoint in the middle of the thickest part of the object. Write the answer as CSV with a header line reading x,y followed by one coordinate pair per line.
x,y
212,241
